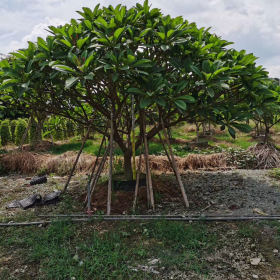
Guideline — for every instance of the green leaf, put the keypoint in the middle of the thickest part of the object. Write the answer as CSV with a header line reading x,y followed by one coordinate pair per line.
x,y
135,90
225,86
101,21
223,69
160,101
145,102
131,58
161,35
88,60
67,43
19,55
89,76
81,42
88,24
8,83
206,66
70,82
181,41
187,98
41,43
63,68
195,70
115,77
118,33
181,85
164,47
142,63
211,92
170,33
181,104
145,32
242,127
231,132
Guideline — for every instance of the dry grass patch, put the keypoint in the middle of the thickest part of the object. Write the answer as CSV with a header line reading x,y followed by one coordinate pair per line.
x,y
267,155
22,162
31,163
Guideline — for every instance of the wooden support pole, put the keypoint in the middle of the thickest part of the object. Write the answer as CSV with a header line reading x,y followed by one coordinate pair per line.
x,y
174,166
148,171
76,160
133,138
92,175
137,180
110,173
98,173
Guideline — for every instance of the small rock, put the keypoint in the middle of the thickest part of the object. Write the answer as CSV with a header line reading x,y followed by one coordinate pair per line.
x,y
255,276
275,251
255,261
153,261
76,257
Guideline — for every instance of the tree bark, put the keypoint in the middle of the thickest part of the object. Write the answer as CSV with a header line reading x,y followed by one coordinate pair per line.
x,y
127,164
266,134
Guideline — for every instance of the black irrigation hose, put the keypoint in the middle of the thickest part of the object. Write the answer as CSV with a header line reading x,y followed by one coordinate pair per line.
x,y
146,218
151,216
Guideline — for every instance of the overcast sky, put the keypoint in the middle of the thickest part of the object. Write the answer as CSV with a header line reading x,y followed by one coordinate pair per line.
x,y
254,25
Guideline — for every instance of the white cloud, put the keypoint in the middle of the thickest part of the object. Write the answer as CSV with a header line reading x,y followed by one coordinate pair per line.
x,y
253,25
39,30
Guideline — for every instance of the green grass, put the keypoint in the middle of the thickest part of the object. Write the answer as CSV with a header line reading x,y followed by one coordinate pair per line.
x,y
275,173
64,250
247,230
241,141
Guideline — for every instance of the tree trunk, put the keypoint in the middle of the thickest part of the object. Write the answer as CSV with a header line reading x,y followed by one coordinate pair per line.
x,y
197,131
127,165
266,134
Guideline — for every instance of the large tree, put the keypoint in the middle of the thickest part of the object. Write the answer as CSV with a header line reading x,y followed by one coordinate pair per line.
x,y
118,60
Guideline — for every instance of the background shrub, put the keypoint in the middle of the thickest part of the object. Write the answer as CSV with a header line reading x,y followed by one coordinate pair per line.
x,y
5,132
13,125
20,129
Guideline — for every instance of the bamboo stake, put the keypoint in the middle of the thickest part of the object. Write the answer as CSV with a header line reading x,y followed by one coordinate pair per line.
x,y
98,173
76,160
174,165
92,175
148,171
133,138
137,180
109,197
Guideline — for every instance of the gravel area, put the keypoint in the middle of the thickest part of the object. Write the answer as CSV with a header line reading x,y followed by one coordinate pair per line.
x,y
234,192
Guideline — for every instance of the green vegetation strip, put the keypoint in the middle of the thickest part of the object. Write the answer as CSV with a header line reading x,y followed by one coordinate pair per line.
x,y
65,250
